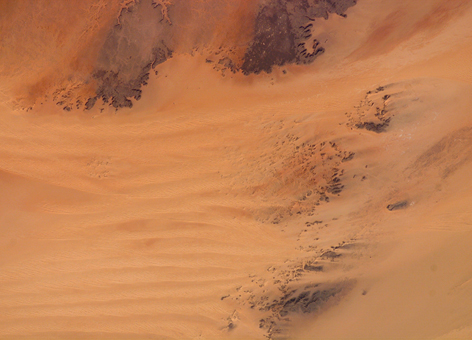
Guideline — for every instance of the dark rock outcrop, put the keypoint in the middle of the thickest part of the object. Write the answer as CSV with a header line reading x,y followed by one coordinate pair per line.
x,y
147,33
283,33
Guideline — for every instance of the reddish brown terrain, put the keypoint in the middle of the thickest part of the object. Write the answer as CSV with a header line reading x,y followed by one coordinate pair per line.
x,y
235,169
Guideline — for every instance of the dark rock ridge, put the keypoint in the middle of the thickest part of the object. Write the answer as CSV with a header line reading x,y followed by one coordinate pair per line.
x,y
283,33
397,205
147,33
118,90
311,299
135,45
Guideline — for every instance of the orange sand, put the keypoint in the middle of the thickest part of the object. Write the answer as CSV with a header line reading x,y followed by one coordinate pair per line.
x,y
157,222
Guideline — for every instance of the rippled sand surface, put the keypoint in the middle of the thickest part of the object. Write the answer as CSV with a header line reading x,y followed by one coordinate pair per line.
x,y
235,169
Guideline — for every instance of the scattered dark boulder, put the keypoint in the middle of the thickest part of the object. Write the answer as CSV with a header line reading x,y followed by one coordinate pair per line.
x,y
398,205
375,127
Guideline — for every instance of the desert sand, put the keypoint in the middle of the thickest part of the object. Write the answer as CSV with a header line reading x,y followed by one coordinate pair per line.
x,y
327,198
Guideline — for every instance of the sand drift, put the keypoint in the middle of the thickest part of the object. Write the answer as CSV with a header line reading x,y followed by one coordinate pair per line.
x,y
235,169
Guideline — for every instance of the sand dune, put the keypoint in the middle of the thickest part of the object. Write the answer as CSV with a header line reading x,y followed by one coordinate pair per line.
x,y
199,197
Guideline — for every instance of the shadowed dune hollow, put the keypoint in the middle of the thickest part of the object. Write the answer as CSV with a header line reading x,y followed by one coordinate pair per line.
x,y
266,169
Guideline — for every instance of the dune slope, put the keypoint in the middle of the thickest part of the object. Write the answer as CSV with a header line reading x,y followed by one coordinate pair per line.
x,y
181,188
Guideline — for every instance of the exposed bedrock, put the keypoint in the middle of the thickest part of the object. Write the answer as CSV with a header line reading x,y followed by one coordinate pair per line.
x,y
135,45
148,32
283,33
